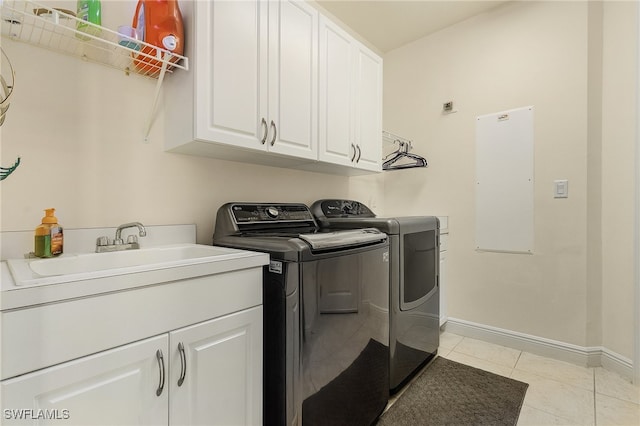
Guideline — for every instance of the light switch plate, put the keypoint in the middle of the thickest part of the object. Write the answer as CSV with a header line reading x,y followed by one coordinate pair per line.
x,y
561,188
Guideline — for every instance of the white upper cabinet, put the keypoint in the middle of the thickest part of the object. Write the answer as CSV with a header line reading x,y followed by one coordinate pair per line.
x,y
350,123
255,81
337,75
293,79
368,109
272,85
231,71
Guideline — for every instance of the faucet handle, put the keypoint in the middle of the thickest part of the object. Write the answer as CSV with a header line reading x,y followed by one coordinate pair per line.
x,y
132,239
103,241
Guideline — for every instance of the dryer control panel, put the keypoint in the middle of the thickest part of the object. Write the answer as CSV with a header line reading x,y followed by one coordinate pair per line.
x,y
343,208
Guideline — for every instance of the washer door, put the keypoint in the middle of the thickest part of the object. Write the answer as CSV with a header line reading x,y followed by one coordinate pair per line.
x,y
419,262
345,337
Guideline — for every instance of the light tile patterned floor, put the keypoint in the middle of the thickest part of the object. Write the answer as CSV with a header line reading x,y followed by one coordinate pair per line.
x,y
559,393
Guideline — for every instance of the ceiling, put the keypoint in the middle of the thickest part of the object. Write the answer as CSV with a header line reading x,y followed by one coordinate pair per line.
x,y
388,24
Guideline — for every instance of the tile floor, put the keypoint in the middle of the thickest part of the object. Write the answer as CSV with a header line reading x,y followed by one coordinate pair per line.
x,y
559,393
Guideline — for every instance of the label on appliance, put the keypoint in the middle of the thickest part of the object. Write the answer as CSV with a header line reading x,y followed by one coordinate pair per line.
x,y
385,257
275,267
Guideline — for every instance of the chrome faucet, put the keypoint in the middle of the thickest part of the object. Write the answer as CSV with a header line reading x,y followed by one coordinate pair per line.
x,y
141,229
106,244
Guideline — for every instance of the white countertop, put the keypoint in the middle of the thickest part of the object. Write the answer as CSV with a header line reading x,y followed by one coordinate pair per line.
x,y
41,290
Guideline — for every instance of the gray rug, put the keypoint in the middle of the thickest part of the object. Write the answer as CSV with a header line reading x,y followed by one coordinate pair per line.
x,y
450,393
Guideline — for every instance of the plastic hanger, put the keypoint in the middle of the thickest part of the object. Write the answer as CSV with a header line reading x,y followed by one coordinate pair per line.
x,y
402,153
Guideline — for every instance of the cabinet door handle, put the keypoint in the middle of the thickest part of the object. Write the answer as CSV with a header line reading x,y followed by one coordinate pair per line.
x,y
275,133
359,153
354,152
160,359
183,363
266,130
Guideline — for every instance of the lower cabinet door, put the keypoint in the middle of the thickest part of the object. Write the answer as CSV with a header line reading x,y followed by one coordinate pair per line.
x,y
122,386
216,369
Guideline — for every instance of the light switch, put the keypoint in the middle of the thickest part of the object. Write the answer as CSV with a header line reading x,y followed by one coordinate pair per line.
x,y
561,188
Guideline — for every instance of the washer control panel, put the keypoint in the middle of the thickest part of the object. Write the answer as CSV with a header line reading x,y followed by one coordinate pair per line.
x,y
248,213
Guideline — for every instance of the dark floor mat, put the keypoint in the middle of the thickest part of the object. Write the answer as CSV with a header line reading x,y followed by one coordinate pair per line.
x,y
450,393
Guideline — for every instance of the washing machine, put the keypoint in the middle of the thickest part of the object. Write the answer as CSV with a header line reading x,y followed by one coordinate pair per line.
x,y
325,307
414,255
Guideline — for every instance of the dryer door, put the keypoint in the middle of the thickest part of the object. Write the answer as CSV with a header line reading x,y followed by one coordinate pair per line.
x,y
419,274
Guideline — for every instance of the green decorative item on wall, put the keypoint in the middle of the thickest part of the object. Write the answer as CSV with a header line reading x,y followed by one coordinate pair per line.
x,y
6,171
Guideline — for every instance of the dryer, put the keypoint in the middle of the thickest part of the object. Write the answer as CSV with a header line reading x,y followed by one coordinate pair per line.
x,y
414,255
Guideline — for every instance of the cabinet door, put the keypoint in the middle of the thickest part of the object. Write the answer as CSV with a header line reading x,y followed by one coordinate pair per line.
x,y
444,315
221,363
368,109
122,386
336,77
231,72
293,79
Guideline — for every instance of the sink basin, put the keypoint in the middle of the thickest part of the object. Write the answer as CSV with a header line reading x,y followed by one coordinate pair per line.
x,y
95,265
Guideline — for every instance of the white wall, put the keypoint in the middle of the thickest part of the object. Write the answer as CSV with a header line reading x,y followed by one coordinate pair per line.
x,y
79,127
525,53
619,115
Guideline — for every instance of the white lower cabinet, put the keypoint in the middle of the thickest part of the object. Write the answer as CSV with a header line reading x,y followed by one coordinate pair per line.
x,y
121,386
209,373
216,370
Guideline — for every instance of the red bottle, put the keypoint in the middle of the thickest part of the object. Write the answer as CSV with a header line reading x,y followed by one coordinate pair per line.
x,y
159,22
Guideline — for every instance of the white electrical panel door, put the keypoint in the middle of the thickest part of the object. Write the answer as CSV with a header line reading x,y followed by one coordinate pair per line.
x,y
505,181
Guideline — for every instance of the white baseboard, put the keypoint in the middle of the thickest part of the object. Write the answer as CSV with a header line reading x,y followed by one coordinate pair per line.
x,y
587,356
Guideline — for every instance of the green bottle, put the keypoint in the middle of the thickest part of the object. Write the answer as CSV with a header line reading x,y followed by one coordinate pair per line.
x,y
42,240
88,11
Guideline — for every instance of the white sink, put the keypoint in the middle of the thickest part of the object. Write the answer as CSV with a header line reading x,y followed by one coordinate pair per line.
x,y
67,268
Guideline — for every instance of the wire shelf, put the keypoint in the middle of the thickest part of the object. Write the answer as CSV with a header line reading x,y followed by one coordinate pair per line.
x,y
56,30
393,138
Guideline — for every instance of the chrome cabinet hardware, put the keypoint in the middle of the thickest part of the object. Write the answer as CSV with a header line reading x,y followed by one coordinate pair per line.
x,y
160,359
275,133
266,131
183,363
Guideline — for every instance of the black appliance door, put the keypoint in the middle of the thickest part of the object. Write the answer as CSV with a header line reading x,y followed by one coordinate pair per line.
x,y
419,273
345,338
